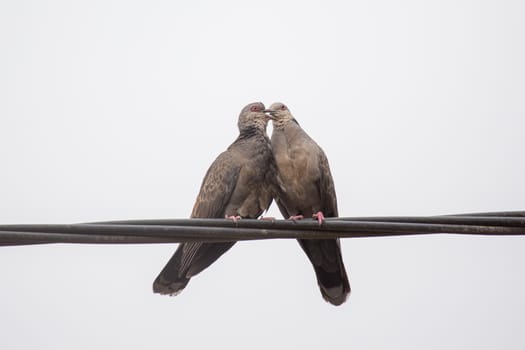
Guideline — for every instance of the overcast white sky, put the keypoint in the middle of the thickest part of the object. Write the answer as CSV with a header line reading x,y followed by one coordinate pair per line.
x,y
115,110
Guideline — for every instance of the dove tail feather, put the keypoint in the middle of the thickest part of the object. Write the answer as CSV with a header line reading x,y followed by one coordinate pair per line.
x,y
325,256
189,259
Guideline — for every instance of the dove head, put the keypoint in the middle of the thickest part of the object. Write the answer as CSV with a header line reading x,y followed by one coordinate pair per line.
x,y
253,118
280,114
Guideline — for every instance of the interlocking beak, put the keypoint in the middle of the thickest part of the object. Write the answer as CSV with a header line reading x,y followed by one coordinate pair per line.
x,y
269,114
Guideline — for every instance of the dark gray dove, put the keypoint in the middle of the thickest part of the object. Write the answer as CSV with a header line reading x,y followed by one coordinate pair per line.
x,y
309,192
240,183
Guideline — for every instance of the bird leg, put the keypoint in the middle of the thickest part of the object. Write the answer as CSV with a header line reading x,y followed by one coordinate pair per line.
x,y
233,217
296,217
319,216
267,218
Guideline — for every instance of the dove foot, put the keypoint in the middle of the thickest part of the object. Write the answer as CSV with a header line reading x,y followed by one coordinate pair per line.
x,y
319,216
296,217
235,218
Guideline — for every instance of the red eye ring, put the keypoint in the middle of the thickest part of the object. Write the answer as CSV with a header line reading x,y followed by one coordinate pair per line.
x,y
254,109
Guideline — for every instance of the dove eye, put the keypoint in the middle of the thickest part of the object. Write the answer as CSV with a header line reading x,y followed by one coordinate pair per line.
x,y
283,107
253,109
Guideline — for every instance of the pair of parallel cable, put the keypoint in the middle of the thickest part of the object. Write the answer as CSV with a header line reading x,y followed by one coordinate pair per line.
x,y
220,230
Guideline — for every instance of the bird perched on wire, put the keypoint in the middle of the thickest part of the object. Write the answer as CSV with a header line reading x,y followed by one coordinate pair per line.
x,y
309,192
240,183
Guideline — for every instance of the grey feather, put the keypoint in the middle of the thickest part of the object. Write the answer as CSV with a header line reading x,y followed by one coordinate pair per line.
x,y
240,182
309,188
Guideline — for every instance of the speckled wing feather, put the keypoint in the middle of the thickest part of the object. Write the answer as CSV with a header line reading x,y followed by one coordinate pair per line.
x,y
217,186
191,258
326,187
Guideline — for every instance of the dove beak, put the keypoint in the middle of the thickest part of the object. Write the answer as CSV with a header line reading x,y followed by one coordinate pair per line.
x,y
270,114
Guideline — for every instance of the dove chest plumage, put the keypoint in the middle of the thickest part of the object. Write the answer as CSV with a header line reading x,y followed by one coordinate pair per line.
x,y
298,168
256,184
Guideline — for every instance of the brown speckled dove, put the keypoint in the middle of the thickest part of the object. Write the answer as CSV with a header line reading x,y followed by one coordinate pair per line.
x,y
309,192
240,183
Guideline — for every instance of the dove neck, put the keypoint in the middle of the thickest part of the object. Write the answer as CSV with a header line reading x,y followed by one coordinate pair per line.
x,y
251,131
281,124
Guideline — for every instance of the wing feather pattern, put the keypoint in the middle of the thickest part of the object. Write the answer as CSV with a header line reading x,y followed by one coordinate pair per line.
x,y
191,258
